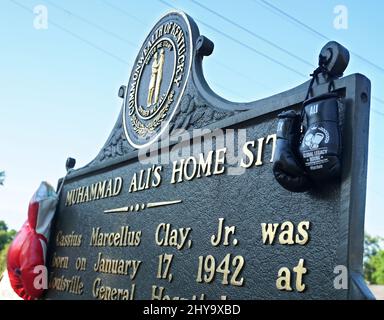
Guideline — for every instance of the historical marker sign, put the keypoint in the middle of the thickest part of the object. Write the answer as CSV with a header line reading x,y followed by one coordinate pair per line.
x,y
181,202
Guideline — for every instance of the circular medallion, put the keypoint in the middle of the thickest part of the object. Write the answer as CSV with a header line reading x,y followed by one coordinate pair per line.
x,y
158,79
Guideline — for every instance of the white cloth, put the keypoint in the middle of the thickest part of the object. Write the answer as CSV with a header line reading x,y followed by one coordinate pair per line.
x,y
6,291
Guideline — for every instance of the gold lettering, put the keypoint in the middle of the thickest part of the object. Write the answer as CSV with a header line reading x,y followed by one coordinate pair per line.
x,y
95,191
302,230
81,263
269,231
101,189
286,234
117,266
102,292
108,192
300,271
133,185
216,239
220,160
205,165
80,192
124,238
167,236
157,176
273,138
86,194
72,285
177,170
93,194
248,153
69,198
259,159
283,281
68,240
59,262
157,293
192,166
117,186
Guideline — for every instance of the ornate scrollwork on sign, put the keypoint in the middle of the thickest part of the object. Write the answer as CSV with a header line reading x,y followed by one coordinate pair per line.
x,y
195,114
116,145
143,129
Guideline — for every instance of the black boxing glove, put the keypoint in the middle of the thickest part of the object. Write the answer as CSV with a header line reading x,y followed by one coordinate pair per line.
x,y
320,148
286,165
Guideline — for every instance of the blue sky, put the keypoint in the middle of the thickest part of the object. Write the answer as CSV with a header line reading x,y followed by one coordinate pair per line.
x,y
58,87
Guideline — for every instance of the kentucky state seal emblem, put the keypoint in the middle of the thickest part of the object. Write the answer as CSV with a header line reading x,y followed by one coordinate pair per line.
x,y
158,79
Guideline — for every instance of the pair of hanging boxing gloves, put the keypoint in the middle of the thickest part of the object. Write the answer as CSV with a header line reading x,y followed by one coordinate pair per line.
x,y
308,155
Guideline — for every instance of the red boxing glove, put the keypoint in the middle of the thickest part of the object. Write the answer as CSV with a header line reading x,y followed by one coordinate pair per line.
x,y
13,261
28,249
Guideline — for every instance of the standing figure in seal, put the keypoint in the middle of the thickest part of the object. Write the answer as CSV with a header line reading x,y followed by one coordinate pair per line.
x,y
152,82
159,77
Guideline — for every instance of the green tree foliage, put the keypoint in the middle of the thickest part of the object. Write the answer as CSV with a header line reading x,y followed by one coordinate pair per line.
x,y
373,260
3,226
371,246
377,263
6,236
3,258
2,177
